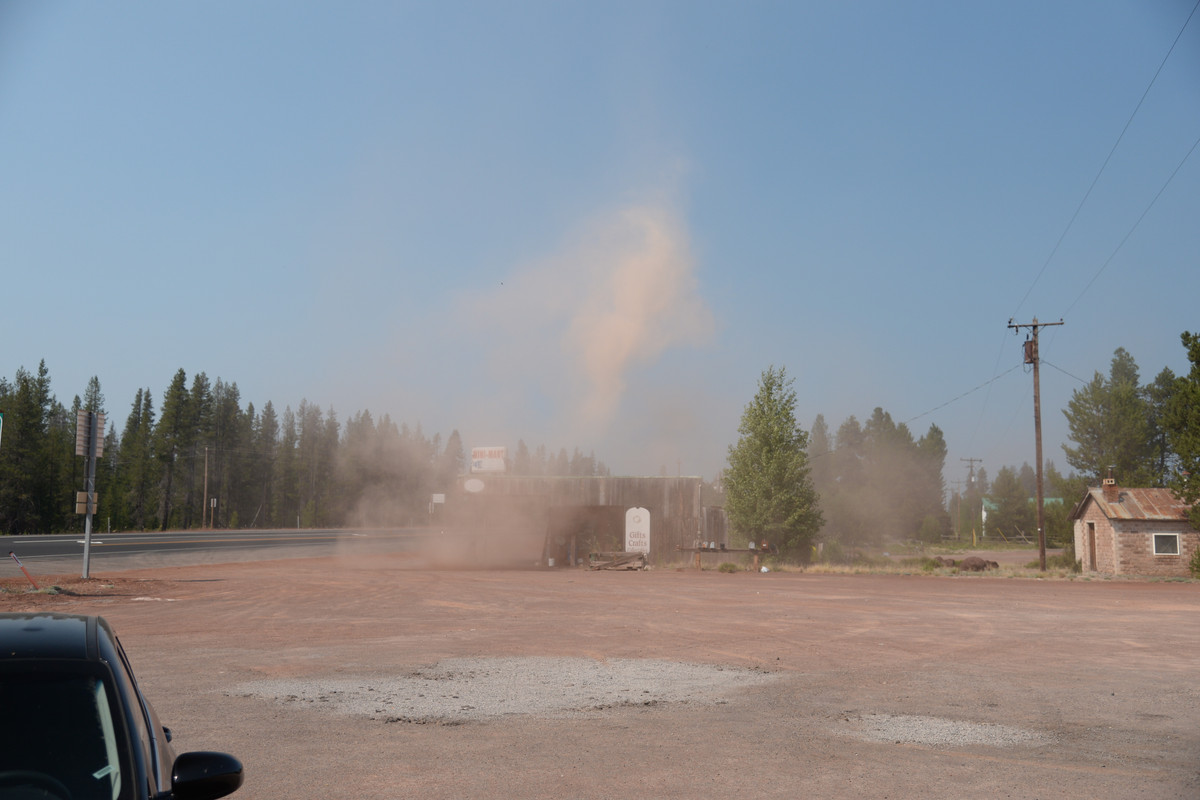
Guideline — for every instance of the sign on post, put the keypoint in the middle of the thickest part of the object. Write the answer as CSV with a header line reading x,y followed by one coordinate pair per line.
x,y
89,443
89,429
637,530
85,502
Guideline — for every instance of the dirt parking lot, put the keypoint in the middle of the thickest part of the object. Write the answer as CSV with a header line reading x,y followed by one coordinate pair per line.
x,y
375,676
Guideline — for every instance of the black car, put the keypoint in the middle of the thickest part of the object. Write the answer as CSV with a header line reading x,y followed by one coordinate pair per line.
x,y
77,727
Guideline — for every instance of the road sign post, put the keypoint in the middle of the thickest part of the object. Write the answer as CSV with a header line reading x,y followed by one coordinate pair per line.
x,y
89,442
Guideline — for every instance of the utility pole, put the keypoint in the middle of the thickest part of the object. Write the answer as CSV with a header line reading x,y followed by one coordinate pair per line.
x,y
956,512
1031,357
204,511
970,486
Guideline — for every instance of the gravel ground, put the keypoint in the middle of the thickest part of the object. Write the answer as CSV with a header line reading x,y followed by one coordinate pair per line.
x,y
666,684
461,690
937,732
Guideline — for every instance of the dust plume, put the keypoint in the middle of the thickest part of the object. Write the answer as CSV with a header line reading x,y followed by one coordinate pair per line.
x,y
573,328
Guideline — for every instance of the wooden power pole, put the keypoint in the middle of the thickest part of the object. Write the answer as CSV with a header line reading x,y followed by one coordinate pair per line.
x,y
1031,357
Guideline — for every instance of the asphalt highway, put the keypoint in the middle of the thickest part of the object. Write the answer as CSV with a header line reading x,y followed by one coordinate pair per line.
x,y
64,553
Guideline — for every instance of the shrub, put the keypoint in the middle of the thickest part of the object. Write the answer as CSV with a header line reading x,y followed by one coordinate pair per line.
x,y
832,553
1194,564
1065,561
728,566
931,530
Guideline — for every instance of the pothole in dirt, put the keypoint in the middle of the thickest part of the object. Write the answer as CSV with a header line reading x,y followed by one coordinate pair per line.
x,y
941,732
462,690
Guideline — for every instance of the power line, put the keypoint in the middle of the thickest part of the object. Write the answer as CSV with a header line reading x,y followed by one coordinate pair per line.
x,y
1103,166
1064,372
1121,244
964,394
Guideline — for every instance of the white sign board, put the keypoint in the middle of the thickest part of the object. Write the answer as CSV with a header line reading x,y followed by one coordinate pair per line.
x,y
637,530
488,459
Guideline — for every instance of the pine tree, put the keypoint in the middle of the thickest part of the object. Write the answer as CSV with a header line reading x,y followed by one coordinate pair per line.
x,y
453,462
198,442
768,486
135,475
1181,418
170,435
287,498
266,440
1109,422
522,461
1014,514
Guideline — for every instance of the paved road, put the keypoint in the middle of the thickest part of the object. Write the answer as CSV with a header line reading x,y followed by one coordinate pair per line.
x,y
63,553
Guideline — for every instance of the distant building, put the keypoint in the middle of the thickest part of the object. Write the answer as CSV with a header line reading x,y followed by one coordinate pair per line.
x,y
560,520
1122,531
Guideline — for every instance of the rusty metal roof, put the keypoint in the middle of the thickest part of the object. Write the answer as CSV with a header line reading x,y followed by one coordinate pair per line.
x,y
1148,504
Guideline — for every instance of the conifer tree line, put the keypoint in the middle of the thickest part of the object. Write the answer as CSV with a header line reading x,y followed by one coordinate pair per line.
x,y
794,491
265,468
874,482
878,483
1143,434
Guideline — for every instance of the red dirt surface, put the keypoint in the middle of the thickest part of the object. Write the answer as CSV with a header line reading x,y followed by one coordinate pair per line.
x,y
1102,673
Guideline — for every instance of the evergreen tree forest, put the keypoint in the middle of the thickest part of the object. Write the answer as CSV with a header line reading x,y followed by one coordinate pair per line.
x,y
263,467
877,482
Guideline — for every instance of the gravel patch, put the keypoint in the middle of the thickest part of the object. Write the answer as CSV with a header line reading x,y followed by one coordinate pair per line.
x,y
461,690
941,732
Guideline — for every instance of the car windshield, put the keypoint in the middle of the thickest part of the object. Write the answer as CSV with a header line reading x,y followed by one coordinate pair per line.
x,y
59,738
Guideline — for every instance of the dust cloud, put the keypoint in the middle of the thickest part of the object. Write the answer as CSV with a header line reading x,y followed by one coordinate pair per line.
x,y
565,335
468,532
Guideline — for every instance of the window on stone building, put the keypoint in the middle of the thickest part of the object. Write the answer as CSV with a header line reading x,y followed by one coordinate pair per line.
x,y
1166,544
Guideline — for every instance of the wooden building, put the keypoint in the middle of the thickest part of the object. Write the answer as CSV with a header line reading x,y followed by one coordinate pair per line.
x,y
563,519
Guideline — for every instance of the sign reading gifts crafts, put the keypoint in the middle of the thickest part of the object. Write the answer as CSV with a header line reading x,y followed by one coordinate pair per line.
x,y
637,530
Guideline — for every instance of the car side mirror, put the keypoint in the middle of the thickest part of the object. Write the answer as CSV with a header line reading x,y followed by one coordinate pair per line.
x,y
205,775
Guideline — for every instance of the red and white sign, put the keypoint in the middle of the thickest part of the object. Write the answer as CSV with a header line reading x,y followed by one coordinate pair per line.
x,y
489,459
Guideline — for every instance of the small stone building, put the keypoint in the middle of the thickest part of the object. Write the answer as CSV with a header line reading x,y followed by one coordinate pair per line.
x,y
1122,531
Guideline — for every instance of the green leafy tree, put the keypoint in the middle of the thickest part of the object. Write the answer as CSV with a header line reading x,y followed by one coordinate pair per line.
x,y
768,487
1181,418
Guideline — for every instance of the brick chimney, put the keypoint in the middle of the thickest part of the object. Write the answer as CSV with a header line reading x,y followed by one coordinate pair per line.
x,y
1112,493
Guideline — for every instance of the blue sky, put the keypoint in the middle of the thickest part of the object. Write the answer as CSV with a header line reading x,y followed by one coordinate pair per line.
x,y
596,224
